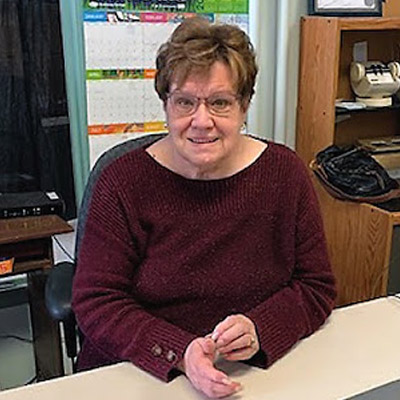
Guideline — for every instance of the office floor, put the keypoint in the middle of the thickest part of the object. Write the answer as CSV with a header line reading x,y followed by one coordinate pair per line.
x,y
17,366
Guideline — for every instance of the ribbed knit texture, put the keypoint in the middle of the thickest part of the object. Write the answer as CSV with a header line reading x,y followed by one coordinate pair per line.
x,y
165,258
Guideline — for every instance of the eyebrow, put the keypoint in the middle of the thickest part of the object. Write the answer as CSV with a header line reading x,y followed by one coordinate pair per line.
x,y
212,94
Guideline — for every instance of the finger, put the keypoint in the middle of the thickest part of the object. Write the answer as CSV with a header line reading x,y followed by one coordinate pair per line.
x,y
207,346
241,342
227,323
218,390
231,334
210,373
238,355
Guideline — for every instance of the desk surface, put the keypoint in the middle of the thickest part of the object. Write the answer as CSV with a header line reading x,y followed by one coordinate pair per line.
x,y
356,350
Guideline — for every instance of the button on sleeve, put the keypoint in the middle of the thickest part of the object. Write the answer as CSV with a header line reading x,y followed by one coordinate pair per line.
x,y
156,350
171,356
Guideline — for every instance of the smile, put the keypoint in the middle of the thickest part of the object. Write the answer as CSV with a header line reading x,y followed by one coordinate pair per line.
x,y
202,140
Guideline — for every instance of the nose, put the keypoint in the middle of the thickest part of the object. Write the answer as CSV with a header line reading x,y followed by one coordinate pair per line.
x,y
202,119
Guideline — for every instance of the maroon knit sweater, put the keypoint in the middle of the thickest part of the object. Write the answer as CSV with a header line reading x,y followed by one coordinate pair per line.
x,y
165,258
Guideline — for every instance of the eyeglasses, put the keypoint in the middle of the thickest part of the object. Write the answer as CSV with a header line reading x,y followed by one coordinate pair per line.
x,y
219,104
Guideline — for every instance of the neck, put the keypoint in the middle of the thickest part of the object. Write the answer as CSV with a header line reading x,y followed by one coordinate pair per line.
x,y
224,168
246,152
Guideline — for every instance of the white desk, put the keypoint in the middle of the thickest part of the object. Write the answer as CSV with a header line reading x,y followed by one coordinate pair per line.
x,y
357,349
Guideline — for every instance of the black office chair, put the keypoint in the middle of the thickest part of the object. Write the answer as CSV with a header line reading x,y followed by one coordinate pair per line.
x,y
59,283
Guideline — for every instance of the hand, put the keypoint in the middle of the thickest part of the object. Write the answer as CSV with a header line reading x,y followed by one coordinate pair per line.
x,y
236,338
198,365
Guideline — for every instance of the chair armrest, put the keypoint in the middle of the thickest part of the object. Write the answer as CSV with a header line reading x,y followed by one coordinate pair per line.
x,y
58,292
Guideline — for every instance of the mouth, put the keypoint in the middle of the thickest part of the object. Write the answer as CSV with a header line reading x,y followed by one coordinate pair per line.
x,y
202,140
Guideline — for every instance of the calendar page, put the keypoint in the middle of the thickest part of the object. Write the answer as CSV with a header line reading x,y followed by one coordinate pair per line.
x,y
121,42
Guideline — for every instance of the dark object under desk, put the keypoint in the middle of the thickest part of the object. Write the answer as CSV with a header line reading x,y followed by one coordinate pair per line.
x,y
29,241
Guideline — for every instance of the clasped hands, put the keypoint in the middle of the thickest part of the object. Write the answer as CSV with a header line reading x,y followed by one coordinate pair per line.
x,y
234,339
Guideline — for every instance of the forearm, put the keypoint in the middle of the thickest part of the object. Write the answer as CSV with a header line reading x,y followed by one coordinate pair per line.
x,y
122,330
289,315
110,316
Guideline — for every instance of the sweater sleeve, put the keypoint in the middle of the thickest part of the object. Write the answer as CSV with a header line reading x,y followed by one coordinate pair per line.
x,y
107,313
300,307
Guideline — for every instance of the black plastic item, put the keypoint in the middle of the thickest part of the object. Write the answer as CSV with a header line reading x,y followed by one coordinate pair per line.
x,y
28,204
58,297
351,173
59,290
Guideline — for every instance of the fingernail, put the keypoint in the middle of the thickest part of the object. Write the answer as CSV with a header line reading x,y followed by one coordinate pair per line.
x,y
226,381
238,388
214,336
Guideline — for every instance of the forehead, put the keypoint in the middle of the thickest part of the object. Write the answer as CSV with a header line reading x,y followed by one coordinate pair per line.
x,y
218,78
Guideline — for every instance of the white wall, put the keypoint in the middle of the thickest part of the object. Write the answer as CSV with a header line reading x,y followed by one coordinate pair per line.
x,y
275,33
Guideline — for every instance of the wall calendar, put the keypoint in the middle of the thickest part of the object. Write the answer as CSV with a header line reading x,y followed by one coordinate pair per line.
x,y
121,41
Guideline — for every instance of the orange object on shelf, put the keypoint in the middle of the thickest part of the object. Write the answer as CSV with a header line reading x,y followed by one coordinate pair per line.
x,y
6,265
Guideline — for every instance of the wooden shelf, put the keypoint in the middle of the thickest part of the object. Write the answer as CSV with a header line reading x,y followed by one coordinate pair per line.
x,y
359,235
343,111
21,267
21,229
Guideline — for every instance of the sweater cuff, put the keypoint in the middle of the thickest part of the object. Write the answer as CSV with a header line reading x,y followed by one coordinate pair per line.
x,y
279,327
260,360
163,349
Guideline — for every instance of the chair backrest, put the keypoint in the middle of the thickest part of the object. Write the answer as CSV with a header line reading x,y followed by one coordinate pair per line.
x,y
105,159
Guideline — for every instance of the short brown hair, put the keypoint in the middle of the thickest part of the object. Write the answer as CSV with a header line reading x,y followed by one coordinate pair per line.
x,y
196,45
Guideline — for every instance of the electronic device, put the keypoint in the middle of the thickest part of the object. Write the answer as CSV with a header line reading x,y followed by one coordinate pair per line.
x,y
374,82
26,204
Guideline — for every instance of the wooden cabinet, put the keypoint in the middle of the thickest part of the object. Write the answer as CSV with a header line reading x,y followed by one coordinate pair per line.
x,y
363,239
29,241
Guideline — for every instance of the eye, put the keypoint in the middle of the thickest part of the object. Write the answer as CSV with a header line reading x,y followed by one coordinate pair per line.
x,y
185,102
220,103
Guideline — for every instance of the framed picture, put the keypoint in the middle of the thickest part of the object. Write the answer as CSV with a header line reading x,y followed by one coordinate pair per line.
x,y
344,8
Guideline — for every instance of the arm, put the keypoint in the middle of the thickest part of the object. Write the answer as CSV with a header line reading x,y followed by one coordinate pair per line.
x,y
299,307
107,313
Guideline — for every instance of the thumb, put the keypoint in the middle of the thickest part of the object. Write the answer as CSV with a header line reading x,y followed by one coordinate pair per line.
x,y
208,346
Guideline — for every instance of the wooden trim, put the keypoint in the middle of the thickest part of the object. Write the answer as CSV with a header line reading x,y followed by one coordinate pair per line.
x,y
395,218
360,23
320,43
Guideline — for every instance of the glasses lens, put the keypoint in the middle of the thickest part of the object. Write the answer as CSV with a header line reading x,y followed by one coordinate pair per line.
x,y
221,104
183,103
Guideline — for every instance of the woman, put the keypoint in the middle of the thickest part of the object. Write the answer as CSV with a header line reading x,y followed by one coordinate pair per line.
x,y
208,242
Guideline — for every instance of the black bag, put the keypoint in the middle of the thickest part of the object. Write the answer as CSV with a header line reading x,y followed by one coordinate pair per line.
x,y
351,173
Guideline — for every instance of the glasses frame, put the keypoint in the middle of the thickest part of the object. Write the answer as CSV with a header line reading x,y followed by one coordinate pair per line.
x,y
204,100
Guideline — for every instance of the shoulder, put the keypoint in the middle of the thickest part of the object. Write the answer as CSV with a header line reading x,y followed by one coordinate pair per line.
x,y
280,157
286,172
117,172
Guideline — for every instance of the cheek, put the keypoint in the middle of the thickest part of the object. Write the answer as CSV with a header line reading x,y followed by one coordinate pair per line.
x,y
178,126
